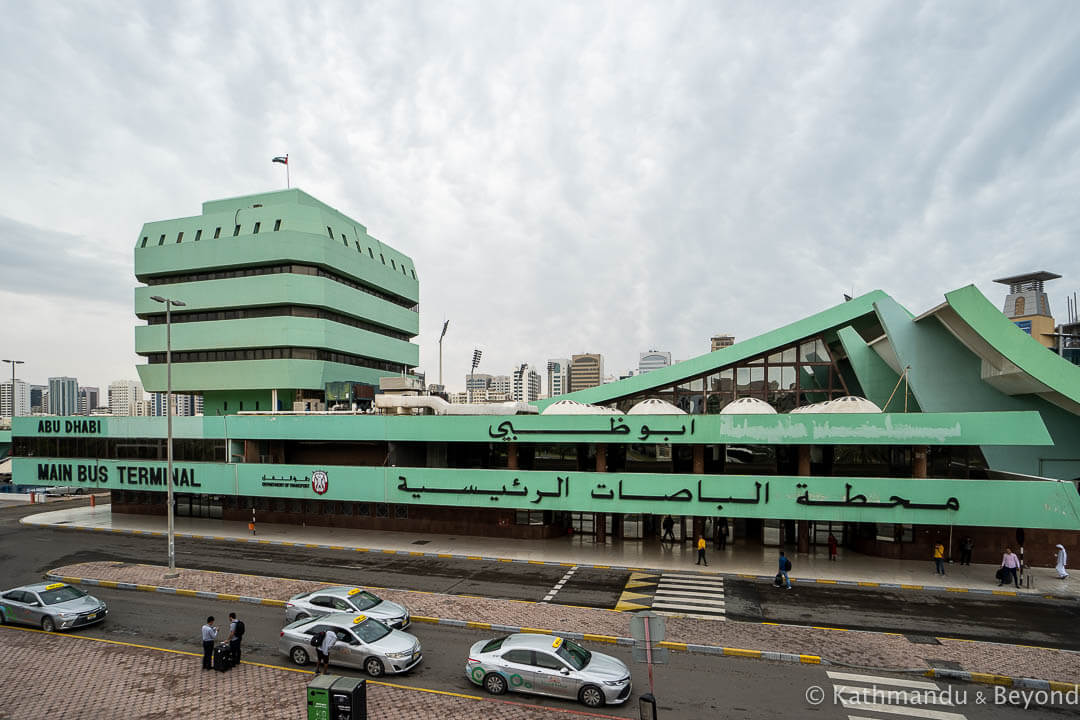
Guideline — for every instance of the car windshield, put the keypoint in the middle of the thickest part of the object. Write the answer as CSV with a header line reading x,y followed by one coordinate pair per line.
x,y
493,645
364,600
60,594
575,656
370,630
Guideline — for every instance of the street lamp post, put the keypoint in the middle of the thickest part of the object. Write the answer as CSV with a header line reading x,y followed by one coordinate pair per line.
x,y
14,408
475,362
445,325
169,302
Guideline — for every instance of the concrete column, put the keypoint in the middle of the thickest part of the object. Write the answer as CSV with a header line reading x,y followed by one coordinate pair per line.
x,y
511,456
601,458
699,459
802,527
919,455
600,519
699,529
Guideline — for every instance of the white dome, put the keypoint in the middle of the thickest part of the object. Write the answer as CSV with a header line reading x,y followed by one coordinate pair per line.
x,y
748,406
849,404
573,407
654,406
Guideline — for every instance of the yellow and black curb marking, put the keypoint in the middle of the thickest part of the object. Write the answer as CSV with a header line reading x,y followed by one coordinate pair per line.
x,y
557,563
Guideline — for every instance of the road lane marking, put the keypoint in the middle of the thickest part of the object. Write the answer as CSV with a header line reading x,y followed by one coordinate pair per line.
x,y
559,585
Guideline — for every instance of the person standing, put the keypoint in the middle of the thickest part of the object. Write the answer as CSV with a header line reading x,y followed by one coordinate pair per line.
x,y
721,533
327,643
832,546
701,551
236,634
1011,564
1062,558
209,634
669,525
966,546
785,567
939,559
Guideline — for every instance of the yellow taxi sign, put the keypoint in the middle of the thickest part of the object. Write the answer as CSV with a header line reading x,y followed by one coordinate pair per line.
x,y
54,586
353,592
557,644
359,619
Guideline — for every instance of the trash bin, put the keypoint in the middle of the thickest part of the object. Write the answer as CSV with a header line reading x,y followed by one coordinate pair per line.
x,y
333,697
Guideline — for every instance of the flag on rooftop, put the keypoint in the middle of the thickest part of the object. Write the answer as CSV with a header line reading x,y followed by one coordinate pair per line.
x,y
283,159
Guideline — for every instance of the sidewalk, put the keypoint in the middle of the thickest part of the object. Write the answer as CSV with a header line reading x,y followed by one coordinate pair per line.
x,y
755,561
78,678
880,651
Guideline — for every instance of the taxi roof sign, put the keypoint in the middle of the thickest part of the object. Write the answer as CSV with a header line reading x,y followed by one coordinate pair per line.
x,y
353,592
54,586
557,644
359,619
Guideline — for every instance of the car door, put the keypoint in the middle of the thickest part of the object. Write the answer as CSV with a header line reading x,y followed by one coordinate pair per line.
x,y
348,650
15,607
35,609
553,677
321,605
517,667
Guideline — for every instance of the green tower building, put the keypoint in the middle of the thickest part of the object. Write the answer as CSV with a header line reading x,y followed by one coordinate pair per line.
x,y
285,300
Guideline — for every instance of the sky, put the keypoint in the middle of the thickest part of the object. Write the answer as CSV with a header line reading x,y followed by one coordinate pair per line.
x,y
603,177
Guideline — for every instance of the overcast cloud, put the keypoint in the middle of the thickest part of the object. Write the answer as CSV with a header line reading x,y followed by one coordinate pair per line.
x,y
596,177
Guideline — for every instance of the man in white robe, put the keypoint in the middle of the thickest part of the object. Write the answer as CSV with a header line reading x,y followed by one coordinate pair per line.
x,y
1061,559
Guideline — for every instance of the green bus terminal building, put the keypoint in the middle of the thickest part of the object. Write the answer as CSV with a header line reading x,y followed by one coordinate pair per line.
x,y
889,430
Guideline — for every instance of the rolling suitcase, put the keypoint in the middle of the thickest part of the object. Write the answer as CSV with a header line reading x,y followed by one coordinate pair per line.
x,y
222,657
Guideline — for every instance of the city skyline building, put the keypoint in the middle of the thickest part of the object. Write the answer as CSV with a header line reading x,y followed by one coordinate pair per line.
x,y
526,383
558,377
720,341
586,371
21,398
652,360
124,396
63,396
88,399
184,404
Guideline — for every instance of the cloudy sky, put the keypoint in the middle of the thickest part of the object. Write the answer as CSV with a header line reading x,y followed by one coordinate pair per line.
x,y
593,177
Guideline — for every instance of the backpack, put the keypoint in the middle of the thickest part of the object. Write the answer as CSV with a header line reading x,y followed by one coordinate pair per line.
x,y
239,631
317,638
787,564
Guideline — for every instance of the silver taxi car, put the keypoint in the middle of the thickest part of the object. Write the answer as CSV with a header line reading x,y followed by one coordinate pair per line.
x,y
51,606
548,665
363,643
348,599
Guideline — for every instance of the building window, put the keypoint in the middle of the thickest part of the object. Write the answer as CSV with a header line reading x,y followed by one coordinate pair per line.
x,y
413,271
161,240
256,230
401,512
344,241
369,252
236,231
329,232
382,510
403,270
393,264
277,225
217,233
1021,306
145,238
380,256
179,236
198,235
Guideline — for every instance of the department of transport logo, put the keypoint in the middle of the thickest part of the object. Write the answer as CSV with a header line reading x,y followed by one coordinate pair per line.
x,y
319,482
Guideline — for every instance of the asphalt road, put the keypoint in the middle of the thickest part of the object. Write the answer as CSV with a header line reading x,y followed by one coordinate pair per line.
x,y
28,552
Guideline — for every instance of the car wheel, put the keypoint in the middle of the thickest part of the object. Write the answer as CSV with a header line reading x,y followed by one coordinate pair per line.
x,y
48,624
373,667
301,616
299,656
495,683
591,696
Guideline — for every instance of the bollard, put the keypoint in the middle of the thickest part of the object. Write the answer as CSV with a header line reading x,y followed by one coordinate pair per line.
x,y
93,499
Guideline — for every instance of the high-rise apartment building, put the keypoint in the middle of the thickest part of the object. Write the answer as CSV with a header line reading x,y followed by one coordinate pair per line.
x,y
37,398
526,384
63,396
586,371
124,396
183,404
721,341
501,385
88,399
652,360
22,399
558,374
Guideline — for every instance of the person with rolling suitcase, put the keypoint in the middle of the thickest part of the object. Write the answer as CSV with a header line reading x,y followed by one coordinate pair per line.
x,y
209,634
236,634
222,657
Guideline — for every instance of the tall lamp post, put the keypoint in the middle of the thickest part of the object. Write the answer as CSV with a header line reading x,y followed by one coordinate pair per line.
x,y
169,302
444,326
14,407
475,362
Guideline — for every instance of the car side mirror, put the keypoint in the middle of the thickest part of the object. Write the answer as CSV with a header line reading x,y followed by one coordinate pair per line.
x,y
565,671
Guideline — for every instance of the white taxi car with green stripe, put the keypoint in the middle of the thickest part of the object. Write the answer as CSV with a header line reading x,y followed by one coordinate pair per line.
x,y
51,606
346,599
548,665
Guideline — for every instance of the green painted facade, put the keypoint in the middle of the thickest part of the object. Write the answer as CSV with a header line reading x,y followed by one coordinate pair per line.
x,y
301,296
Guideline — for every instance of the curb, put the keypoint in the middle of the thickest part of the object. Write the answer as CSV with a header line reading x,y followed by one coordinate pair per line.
x,y
1005,680
470,625
556,563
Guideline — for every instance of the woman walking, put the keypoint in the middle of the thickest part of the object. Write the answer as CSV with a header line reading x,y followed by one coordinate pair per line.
x,y
1062,557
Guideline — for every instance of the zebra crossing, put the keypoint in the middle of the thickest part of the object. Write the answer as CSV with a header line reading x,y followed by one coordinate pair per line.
x,y
688,595
873,697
